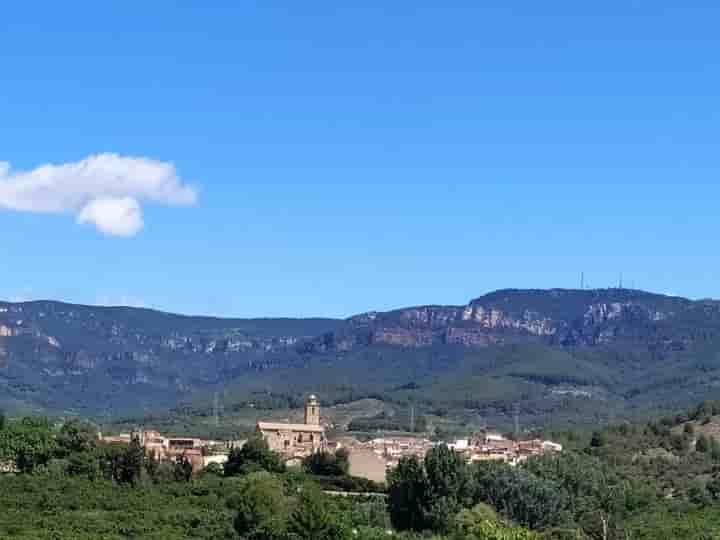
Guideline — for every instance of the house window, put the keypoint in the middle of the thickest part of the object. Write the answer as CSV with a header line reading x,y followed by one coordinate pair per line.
x,y
300,438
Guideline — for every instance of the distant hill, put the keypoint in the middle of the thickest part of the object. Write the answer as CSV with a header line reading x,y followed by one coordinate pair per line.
x,y
562,355
59,356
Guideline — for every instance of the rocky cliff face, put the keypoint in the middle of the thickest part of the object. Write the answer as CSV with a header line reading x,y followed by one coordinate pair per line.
x,y
569,318
52,351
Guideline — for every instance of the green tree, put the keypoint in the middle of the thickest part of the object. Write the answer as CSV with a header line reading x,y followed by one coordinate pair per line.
x,y
183,469
214,469
76,436
447,487
29,443
408,495
713,487
698,494
110,457
261,506
680,443
152,464
598,439
84,464
482,523
164,473
485,529
702,444
715,449
519,494
313,519
342,460
132,464
255,455
327,464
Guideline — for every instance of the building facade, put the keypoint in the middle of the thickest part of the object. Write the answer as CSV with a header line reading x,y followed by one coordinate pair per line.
x,y
296,440
164,448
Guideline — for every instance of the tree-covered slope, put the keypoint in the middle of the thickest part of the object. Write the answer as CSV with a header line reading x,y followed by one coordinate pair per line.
x,y
574,355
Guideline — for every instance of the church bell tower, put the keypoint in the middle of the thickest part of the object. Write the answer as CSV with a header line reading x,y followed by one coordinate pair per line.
x,y
312,411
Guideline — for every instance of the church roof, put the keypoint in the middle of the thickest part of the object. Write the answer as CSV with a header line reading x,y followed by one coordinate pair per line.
x,y
281,426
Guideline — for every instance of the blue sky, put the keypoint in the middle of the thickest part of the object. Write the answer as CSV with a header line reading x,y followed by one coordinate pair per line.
x,y
342,159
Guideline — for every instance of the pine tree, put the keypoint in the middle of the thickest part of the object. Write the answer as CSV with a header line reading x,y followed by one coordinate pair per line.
x,y
183,469
703,444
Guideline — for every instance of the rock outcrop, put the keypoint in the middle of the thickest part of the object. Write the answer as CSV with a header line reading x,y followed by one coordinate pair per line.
x,y
86,349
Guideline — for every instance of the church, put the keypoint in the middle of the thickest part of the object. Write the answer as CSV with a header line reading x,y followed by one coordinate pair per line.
x,y
296,440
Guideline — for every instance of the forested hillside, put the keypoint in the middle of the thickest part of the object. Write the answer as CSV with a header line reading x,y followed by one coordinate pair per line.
x,y
561,356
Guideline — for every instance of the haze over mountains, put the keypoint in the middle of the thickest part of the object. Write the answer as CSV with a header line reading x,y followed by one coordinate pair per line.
x,y
561,354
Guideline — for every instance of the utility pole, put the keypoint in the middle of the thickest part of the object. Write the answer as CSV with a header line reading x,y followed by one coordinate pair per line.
x,y
582,281
412,418
517,420
216,409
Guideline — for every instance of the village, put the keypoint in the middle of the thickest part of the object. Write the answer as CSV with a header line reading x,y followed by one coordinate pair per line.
x,y
370,459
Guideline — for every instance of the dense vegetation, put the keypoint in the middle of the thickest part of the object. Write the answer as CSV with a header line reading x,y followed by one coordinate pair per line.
x,y
386,422
606,355
654,481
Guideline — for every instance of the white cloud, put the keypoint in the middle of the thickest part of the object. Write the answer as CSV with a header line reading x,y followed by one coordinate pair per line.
x,y
105,190
118,217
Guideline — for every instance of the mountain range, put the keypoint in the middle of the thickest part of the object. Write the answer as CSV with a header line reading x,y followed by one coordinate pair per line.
x,y
557,355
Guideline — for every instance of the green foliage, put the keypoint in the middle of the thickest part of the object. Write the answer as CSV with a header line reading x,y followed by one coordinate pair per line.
x,y
76,436
39,507
349,484
84,464
598,440
448,487
182,469
481,523
427,495
214,469
703,444
165,473
520,494
261,506
408,494
131,464
713,487
312,519
253,456
386,422
328,464
29,443
638,484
